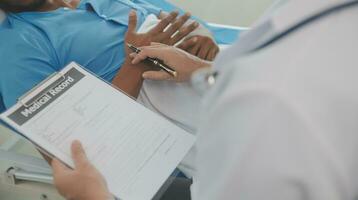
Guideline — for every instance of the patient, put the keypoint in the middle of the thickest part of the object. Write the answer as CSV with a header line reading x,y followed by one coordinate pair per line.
x,y
39,37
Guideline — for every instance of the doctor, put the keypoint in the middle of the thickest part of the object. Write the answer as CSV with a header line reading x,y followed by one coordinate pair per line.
x,y
279,117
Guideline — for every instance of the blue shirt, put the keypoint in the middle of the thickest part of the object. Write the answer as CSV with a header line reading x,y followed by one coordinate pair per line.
x,y
36,44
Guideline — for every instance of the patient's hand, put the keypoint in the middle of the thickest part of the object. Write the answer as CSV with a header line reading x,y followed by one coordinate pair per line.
x,y
199,45
170,30
202,46
129,77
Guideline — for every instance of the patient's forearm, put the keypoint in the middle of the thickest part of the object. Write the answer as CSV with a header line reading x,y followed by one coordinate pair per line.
x,y
129,78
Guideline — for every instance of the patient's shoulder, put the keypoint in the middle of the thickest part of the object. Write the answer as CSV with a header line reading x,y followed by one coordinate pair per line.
x,y
23,57
23,64
15,31
21,47
27,57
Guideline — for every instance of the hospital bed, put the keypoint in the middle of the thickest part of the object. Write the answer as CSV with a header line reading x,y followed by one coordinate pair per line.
x,y
24,175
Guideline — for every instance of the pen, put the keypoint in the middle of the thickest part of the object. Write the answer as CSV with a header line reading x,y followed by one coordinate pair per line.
x,y
155,62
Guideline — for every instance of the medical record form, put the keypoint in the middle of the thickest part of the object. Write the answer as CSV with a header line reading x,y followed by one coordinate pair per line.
x,y
135,149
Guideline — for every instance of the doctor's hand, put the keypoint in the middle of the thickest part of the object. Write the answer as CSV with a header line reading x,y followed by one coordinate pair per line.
x,y
184,63
82,183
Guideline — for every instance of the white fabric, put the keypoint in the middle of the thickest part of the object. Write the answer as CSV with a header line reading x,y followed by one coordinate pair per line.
x,y
281,124
178,102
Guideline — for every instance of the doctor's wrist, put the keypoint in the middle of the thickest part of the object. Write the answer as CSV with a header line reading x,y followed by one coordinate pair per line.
x,y
97,194
205,64
198,63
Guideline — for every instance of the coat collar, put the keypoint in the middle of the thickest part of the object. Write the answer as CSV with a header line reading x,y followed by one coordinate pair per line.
x,y
279,18
296,11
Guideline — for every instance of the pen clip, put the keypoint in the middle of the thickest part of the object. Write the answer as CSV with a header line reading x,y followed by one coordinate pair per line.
x,y
27,104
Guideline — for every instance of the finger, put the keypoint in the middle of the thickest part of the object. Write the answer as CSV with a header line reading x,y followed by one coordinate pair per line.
x,y
144,51
173,28
204,50
156,44
183,32
217,51
45,156
132,21
165,22
58,168
78,155
132,55
187,44
195,49
157,75
153,52
211,55
214,53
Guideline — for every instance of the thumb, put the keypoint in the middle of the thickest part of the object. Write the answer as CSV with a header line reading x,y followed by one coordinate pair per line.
x,y
78,155
156,75
157,44
58,168
132,21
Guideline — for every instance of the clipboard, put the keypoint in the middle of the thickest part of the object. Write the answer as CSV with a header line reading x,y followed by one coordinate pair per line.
x,y
164,147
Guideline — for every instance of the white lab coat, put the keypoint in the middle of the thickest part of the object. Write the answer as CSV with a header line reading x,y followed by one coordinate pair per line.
x,y
282,123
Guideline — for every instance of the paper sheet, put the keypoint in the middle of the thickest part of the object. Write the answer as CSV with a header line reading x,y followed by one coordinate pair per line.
x,y
135,149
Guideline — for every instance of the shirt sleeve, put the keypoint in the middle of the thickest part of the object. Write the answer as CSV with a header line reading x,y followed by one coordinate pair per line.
x,y
148,6
24,64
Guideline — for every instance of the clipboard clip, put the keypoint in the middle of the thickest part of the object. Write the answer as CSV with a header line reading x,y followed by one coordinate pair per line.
x,y
28,104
